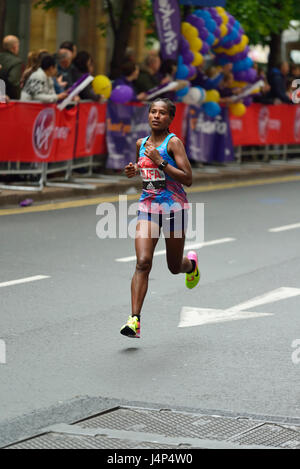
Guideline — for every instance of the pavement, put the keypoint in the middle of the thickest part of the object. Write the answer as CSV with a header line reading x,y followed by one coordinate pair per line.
x,y
96,424
117,183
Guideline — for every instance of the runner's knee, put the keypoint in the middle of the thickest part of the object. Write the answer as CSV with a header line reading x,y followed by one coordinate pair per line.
x,y
144,264
174,269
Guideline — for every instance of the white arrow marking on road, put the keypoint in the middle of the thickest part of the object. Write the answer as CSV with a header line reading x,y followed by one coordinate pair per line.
x,y
186,248
284,228
191,316
23,280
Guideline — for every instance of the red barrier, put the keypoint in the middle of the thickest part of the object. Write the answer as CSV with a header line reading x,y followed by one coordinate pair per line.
x,y
91,137
36,133
267,125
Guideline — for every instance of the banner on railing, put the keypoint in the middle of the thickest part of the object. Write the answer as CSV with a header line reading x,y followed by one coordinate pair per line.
x,y
267,125
208,140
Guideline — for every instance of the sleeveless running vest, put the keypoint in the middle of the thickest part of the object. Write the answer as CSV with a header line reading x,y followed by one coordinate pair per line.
x,y
161,193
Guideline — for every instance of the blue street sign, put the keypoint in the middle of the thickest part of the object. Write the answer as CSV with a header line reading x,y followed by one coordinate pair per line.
x,y
204,3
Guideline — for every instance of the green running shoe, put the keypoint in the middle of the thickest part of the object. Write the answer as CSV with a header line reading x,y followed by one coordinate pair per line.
x,y
192,279
132,328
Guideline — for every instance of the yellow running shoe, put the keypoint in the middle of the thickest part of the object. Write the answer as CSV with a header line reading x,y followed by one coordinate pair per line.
x,y
132,328
192,279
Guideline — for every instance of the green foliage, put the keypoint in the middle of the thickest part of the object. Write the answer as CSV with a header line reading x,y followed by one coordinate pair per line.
x,y
263,18
69,6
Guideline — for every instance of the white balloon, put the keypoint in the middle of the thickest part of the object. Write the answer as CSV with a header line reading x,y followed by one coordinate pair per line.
x,y
194,96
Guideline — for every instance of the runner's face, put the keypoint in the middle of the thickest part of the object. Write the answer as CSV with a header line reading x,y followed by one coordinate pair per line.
x,y
159,117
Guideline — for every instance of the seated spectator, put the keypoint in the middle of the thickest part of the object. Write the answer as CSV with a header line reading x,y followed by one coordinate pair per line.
x,y
278,82
11,70
130,73
40,86
82,65
148,77
33,63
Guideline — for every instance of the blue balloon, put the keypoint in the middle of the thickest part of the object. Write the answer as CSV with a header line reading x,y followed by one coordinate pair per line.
x,y
212,109
211,25
210,39
237,25
183,92
182,72
203,14
242,65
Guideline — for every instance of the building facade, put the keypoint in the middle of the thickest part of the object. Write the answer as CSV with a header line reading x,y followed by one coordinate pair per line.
x,y
38,29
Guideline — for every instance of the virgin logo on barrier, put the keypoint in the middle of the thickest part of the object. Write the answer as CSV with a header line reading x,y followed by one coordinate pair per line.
x,y
297,125
91,128
43,133
265,123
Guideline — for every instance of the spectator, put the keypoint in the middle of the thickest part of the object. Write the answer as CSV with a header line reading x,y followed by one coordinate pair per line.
x,y
64,66
40,86
11,70
71,47
82,65
33,63
4,99
264,96
130,73
148,77
278,82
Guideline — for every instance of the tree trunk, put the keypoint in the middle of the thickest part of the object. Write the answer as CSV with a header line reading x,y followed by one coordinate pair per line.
x,y
121,38
2,20
275,56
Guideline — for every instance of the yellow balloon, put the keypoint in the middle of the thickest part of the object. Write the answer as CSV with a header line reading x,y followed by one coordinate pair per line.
x,y
220,10
196,44
212,95
224,18
238,109
191,33
185,27
224,30
238,84
102,85
198,59
232,51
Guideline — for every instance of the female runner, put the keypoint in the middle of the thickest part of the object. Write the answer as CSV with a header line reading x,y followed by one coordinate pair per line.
x,y
164,167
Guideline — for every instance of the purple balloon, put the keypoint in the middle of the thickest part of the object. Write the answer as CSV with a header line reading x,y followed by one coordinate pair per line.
x,y
228,45
217,18
122,94
217,32
205,48
241,76
203,33
188,57
231,18
184,44
192,71
251,75
248,101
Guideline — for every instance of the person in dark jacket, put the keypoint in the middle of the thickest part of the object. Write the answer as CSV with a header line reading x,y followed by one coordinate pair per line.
x,y
83,64
278,82
11,70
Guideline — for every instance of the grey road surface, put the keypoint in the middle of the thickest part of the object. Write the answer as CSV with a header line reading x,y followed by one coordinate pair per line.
x,y
62,333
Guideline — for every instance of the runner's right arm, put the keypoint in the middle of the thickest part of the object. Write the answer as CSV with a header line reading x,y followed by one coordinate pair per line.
x,y
131,169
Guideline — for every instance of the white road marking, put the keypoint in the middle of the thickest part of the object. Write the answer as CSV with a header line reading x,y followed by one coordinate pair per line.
x,y
191,316
23,280
284,228
186,248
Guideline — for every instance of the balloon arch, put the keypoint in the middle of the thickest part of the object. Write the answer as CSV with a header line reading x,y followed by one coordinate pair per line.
x,y
206,30
217,31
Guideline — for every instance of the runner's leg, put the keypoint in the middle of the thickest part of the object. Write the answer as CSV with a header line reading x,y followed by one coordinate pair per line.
x,y
145,243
